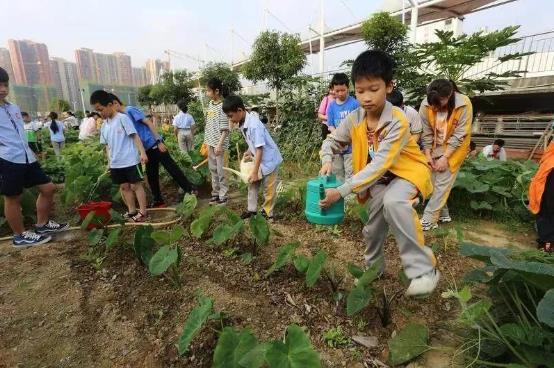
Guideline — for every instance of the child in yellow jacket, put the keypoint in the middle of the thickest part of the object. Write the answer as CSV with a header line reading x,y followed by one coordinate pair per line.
x,y
389,169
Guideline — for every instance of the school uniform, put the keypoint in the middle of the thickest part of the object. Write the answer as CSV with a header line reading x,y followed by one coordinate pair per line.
x,y
390,170
256,136
19,168
155,156
117,133
342,162
216,123
58,138
416,125
184,122
440,133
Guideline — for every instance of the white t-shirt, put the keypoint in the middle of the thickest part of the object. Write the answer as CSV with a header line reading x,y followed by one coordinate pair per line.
x,y
489,153
117,133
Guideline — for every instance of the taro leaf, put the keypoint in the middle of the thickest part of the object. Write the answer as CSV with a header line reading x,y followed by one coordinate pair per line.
x,y
514,332
480,252
200,225
113,237
482,205
222,233
355,271
260,229
194,323
503,191
475,311
232,346
477,275
95,236
545,309
463,295
358,299
295,352
301,263
232,216
162,259
161,237
283,257
255,358
476,187
372,273
539,274
176,234
408,343
187,206
144,244
315,267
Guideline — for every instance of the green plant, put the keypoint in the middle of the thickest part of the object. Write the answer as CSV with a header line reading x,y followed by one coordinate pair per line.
x,y
172,87
100,239
59,105
223,71
363,293
168,256
335,337
409,343
196,319
311,267
513,324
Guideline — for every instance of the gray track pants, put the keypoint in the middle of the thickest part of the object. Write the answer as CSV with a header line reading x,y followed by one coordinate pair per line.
x,y
269,183
185,139
391,205
442,185
342,166
219,181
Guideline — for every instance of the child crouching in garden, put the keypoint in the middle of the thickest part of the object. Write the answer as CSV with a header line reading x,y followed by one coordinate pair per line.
x,y
389,170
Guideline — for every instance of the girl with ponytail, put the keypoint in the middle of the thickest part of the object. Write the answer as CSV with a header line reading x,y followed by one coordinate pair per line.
x,y
57,137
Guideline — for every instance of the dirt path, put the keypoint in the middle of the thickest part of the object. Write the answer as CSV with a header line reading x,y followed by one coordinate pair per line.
x,y
58,311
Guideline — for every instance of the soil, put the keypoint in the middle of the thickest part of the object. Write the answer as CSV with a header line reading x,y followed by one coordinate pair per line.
x,y
59,311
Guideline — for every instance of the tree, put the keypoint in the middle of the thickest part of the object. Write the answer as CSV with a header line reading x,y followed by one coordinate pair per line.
x,y
144,96
172,87
383,32
276,57
223,71
59,105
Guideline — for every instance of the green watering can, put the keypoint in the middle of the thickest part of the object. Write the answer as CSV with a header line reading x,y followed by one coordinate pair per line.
x,y
315,192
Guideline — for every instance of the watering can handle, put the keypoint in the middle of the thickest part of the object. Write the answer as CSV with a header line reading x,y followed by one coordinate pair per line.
x,y
321,197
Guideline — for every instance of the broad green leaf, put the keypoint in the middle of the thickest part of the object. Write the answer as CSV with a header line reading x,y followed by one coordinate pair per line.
x,y
545,308
372,273
514,332
162,260
301,263
259,229
480,252
463,295
539,273
144,244
176,234
232,216
232,346
283,257
95,236
222,233
187,206
200,225
161,237
355,271
410,342
358,299
113,238
194,323
477,276
480,205
475,311
314,268
295,352
255,358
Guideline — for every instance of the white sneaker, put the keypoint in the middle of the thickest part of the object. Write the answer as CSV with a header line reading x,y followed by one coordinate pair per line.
x,y
426,225
445,219
424,284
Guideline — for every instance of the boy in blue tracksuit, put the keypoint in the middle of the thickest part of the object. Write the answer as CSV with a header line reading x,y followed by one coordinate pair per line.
x,y
263,150
343,105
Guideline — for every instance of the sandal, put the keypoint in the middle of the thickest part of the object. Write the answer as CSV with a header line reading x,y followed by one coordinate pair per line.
x,y
140,217
546,247
128,216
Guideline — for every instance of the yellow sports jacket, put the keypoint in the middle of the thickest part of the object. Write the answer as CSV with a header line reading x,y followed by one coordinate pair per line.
x,y
395,151
458,131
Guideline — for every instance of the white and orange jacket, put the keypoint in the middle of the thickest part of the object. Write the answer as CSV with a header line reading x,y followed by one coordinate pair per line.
x,y
394,150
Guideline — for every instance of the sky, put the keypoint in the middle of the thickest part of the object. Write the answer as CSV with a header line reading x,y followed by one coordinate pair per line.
x,y
203,29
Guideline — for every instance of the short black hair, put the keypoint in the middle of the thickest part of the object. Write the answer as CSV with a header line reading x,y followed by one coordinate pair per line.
x,y
396,97
4,76
440,88
116,99
373,64
182,105
499,142
148,116
340,79
23,113
101,97
232,104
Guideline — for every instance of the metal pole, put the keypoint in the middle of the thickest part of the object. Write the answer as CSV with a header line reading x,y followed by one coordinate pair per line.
x,y
82,91
403,11
322,39
413,22
232,32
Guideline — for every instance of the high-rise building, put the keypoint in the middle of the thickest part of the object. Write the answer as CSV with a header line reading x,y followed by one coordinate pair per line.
x,y
86,65
139,77
6,63
106,68
66,80
124,69
155,68
30,62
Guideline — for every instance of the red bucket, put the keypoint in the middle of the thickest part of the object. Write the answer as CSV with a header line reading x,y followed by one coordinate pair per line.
x,y
101,211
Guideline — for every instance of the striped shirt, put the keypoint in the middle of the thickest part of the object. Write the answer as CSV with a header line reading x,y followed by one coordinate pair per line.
x,y
216,122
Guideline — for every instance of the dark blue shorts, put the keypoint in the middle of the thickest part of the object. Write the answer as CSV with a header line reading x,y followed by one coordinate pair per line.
x,y
131,175
16,177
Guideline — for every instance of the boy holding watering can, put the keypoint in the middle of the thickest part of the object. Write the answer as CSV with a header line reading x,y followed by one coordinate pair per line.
x,y
388,169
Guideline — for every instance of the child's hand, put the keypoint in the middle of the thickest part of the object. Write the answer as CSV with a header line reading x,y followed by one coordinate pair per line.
x,y
253,177
143,158
162,147
218,150
441,164
331,196
247,156
326,169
